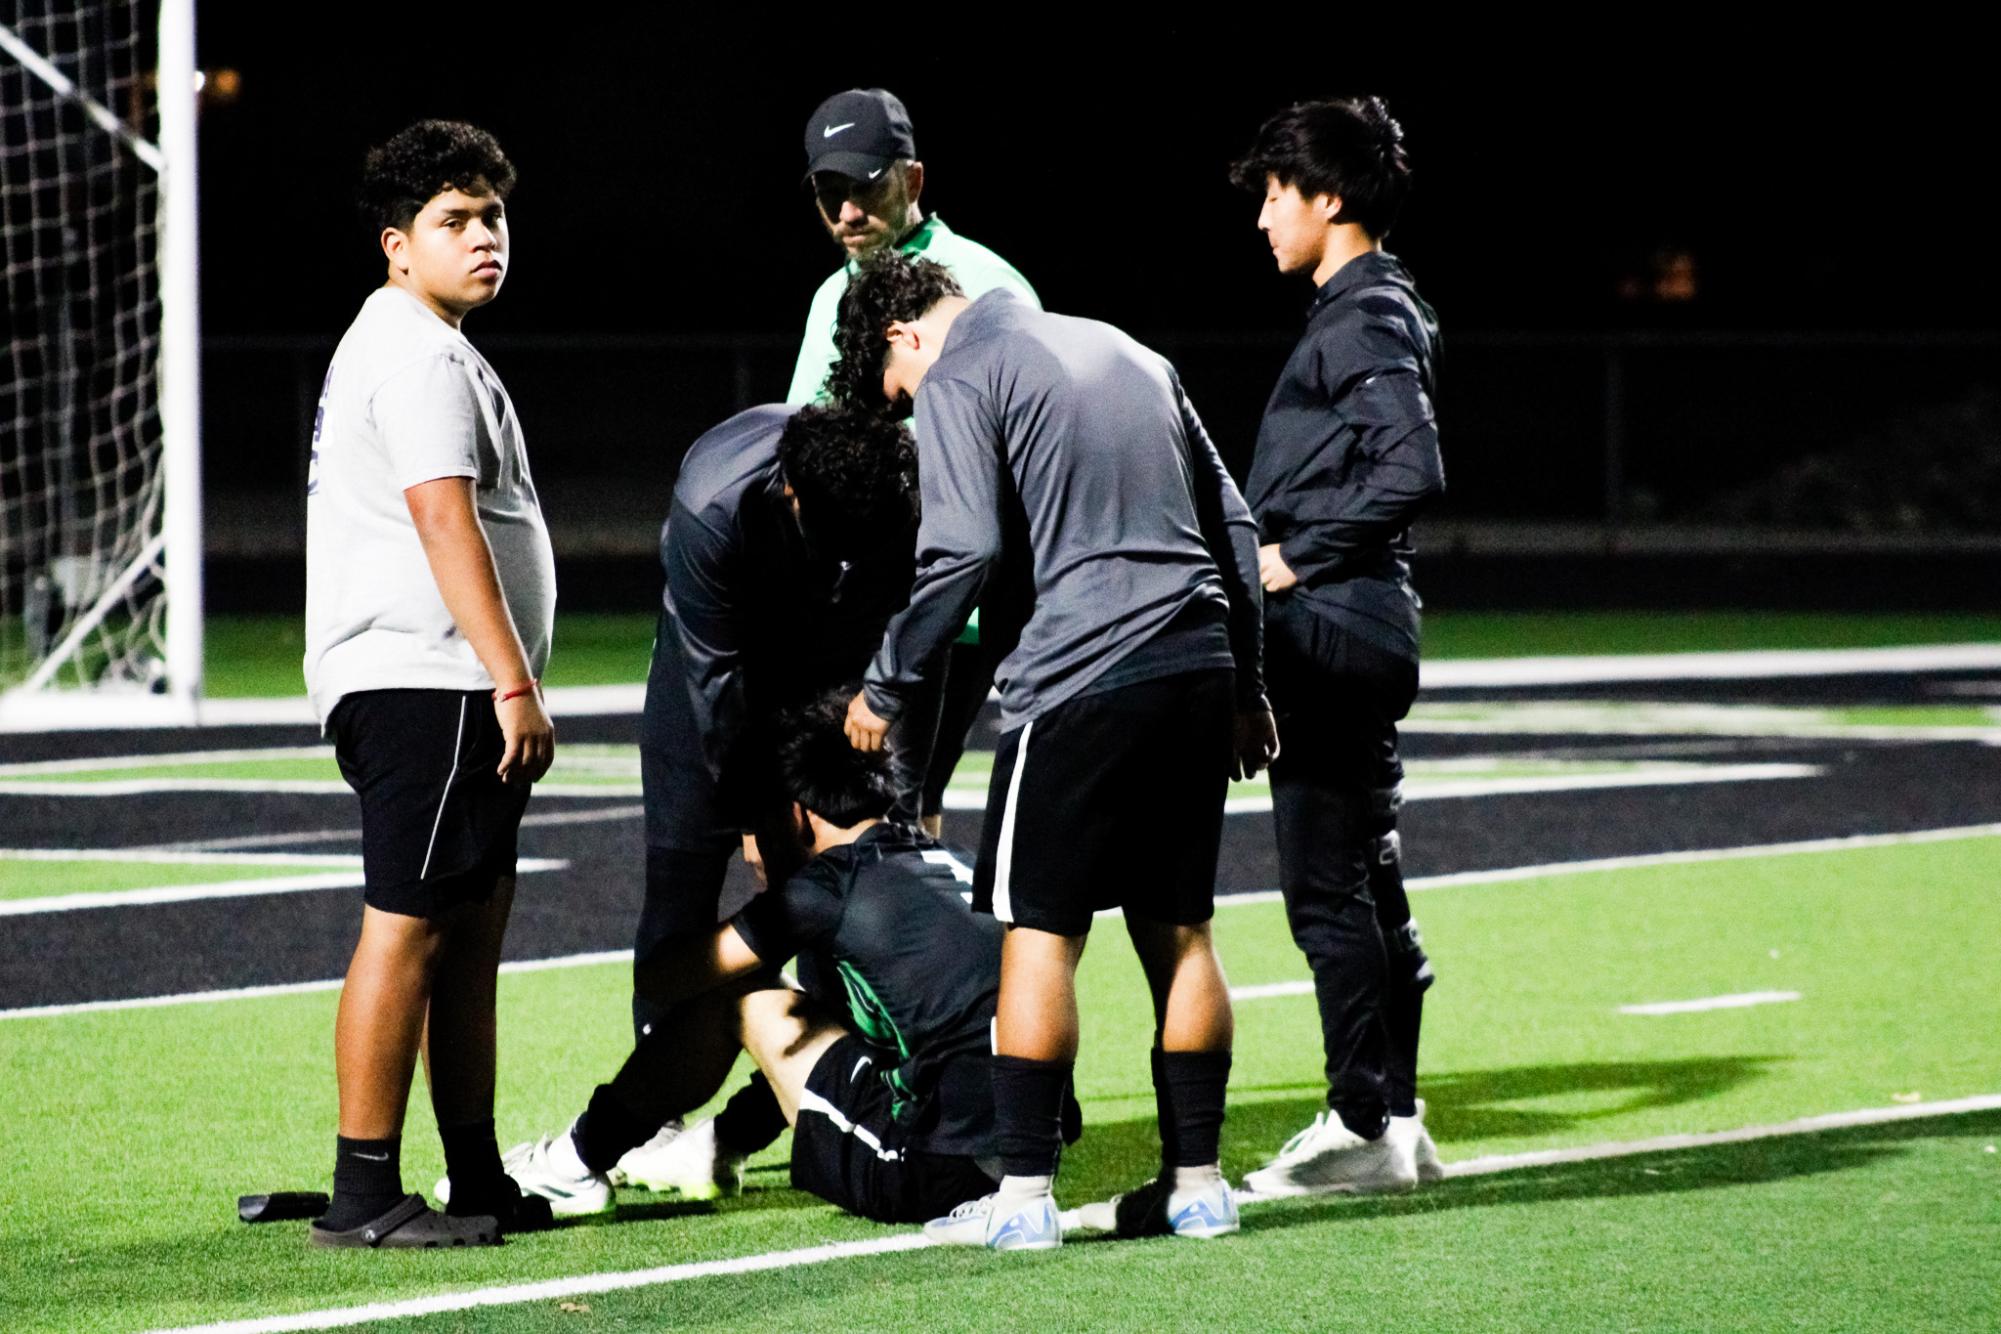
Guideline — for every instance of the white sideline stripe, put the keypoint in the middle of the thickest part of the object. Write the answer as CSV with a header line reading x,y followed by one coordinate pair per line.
x,y
1422,789
1222,901
220,889
1707,666
308,787
619,1281
1806,1125
180,855
287,988
1266,990
1741,1001
196,847
602,701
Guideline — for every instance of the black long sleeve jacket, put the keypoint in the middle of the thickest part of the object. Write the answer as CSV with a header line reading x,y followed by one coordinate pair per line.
x,y
1347,454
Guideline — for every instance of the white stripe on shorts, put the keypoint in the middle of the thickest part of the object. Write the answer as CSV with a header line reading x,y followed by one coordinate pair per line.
x,y
1004,859
446,795
809,1101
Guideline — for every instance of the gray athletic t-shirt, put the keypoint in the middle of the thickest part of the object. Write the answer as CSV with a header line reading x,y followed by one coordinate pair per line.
x,y
408,400
1071,448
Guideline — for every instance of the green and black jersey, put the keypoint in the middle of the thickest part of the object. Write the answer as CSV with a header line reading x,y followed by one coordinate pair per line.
x,y
977,269
884,934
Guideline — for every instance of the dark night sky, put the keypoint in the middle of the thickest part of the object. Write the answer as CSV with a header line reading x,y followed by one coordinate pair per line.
x,y
660,167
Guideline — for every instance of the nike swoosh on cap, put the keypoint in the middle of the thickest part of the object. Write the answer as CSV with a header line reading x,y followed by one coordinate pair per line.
x,y
877,172
833,130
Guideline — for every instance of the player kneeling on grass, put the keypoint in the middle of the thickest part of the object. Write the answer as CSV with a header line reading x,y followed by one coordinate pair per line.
x,y
881,1064
430,597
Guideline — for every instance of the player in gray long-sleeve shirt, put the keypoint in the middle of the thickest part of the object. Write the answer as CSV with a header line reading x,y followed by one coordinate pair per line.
x,y
1063,455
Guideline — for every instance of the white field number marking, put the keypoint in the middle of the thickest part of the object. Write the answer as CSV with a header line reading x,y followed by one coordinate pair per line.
x,y
1741,1001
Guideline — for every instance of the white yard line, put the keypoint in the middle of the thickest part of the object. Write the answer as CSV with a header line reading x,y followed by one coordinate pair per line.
x,y
1741,1001
1758,665
1268,990
287,988
308,787
583,1285
220,889
197,847
600,701
1426,789
181,856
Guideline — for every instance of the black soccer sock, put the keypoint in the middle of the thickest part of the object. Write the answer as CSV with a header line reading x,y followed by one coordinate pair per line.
x,y
368,1181
608,1129
1163,1112
472,1161
1402,1016
1028,1114
1188,1086
751,1119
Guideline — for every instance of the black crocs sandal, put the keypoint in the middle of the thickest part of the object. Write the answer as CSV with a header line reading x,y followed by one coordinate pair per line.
x,y
412,1225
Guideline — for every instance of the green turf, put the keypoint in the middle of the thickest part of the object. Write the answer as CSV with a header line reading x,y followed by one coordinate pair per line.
x,y
24,879
611,766
260,655
147,1123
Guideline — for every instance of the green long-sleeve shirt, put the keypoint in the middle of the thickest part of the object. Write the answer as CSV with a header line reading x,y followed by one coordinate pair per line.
x,y
978,269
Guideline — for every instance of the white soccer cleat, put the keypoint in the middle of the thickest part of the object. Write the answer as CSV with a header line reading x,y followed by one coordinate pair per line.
x,y
1424,1153
1328,1157
683,1160
549,1167
1026,1225
1158,1210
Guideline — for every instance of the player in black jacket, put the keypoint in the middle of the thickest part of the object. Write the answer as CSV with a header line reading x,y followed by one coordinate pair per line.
x,y
1347,456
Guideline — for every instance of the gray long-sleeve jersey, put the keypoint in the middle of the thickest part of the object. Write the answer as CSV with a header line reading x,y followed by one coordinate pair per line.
x,y
1079,445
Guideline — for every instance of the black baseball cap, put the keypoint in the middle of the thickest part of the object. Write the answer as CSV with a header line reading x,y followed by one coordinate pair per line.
x,y
858,133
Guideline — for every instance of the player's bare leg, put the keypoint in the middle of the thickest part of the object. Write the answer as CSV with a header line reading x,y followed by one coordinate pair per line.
x,y
1036,1017
1191,1070
380,1021
786,1034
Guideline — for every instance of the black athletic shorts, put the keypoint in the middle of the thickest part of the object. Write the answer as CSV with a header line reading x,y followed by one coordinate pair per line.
x,y
1110,800
437,824
848,1150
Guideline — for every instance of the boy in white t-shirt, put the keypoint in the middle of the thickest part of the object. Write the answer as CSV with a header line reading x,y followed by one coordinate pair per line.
x,y
430,595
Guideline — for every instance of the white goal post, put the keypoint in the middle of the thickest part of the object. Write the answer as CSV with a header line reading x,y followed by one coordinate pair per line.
x,y
100,392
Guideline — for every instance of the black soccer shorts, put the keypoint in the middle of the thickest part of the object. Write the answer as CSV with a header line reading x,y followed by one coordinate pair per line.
x,y
848,1149
1110,800
438,826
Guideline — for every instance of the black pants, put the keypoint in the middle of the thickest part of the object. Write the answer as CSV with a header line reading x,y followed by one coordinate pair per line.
x,y
1335,791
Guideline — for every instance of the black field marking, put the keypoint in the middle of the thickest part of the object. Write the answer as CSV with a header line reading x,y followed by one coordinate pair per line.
x,y
116,953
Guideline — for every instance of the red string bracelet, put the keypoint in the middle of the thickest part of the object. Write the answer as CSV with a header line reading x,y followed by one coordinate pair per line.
x,y
517,692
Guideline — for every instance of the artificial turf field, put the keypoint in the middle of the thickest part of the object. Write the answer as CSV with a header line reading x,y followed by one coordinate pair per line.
x,y
1547,909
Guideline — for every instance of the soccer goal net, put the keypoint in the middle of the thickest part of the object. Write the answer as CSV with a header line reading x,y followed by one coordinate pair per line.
x,y
100,596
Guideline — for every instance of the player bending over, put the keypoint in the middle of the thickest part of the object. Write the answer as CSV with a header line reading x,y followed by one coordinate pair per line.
x,y
881,1064
1132,692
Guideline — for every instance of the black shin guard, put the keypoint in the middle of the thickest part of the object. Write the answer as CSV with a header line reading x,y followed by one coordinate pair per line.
x,y
1191,1086
608,1129
751,1119
1028,1114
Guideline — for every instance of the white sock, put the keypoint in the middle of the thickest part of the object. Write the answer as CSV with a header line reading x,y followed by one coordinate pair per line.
x,y
1015,1190
1195,1178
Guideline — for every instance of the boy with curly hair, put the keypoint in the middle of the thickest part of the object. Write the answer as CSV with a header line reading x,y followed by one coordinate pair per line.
x,y
430,598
